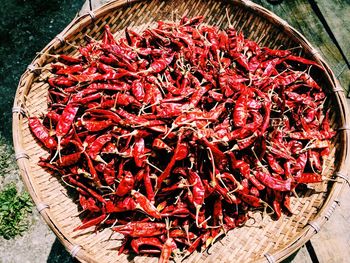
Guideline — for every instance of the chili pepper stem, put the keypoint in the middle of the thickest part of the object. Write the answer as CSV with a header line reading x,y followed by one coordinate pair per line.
x,y
141,111
72,45
206,220
222,232
51,131
219,177
297,197
47,54
100,159
58,151
105,219
234,148
266,205
113,225
178,197
167,226
64,176
155,167
173,127
307,146
115,102
79,213
211,158
198,207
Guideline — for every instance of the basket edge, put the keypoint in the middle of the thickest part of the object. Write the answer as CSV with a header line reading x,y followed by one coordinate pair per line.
x,y
304,235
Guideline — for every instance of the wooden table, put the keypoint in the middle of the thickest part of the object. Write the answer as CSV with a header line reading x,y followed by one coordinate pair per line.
x,y
326,24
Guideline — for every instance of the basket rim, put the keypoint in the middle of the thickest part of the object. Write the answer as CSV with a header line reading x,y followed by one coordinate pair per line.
x,y
323,215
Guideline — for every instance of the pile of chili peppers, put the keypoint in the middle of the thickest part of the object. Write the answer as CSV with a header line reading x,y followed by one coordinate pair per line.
x,y
170,137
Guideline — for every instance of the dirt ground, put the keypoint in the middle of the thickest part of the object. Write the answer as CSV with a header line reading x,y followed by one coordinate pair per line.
x,y
26,26
38,243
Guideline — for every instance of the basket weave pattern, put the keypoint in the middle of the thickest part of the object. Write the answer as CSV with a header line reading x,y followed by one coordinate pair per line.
x,y
265,239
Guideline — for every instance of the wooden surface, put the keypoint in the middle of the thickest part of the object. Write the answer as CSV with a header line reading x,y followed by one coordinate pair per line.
x,y
326,24
332,243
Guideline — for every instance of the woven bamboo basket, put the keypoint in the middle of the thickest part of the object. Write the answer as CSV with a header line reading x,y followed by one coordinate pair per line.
x,y
266,239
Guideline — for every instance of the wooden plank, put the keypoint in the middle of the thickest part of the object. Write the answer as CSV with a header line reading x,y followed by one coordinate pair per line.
x,y
94,5
299,14
337,16
332,243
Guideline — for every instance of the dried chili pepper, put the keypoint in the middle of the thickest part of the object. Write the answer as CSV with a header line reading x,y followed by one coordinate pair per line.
x,y
177,132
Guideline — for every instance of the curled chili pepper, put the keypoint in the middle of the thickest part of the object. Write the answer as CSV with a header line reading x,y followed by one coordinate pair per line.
x,y
40,132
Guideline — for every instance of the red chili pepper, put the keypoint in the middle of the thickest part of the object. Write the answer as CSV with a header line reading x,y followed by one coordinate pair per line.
x,y
68,160
96,146
219,157
303,61
168,247
70,70
109,173
53,116
61,82
148,185
286,203
198,191
116,86
92,222
159,144
82,186
141,229
305,178
88,203
148,241
246,142
41,133
68,60
178,212
280,153
96,125
250,199
145,205
178,154
218,213
127,204
85,100
138,90
139,152
66,120
92,170
181,233
240,113
273,183
244,169
120,100
110,115
169,104
126,184
274,164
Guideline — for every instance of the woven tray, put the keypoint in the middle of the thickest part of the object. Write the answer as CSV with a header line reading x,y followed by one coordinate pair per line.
x,y
266,240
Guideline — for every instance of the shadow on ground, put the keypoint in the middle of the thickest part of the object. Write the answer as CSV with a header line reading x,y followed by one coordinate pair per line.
x,y
26,26
59,254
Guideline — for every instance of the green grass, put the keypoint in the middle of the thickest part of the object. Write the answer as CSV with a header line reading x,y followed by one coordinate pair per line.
x,y
14,209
